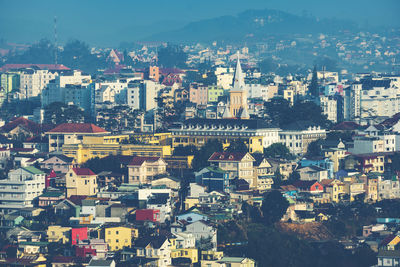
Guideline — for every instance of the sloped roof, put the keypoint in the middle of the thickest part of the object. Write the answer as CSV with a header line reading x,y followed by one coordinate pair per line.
x,y
391,121
227,156
155,241
32,170
346,126
304,184
77,128
21,121
83,171
138,161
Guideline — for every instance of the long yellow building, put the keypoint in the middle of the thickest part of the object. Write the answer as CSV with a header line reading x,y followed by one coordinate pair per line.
x,y
103,146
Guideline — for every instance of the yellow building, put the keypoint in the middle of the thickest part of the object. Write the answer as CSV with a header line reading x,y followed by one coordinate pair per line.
x,y
72,133
81,182
190,253
56,233
394,244
153,138
191,202
211,255
353,187
119,237
335,188
96,147
288,94
336,155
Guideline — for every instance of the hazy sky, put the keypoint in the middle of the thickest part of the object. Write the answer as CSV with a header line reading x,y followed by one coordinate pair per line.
x,y
113,21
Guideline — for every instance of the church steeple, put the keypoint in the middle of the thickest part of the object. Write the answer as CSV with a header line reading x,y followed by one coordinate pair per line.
x,y
238,78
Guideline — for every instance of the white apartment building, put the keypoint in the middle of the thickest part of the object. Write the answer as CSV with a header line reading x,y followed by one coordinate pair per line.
x,y
329,107
372,97
32,82
56,90
297,136
21,187
142,94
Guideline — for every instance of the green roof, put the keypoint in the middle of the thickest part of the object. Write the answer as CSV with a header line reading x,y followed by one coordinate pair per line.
x,y
52,194
232,259
32,170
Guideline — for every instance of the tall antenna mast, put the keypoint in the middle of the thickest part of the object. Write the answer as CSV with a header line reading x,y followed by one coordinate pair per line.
x,y
55,40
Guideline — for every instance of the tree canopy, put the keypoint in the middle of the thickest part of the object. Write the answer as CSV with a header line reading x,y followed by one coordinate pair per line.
x,y
172,56
273,207
201,157
313,89
57,113
278,150
281,113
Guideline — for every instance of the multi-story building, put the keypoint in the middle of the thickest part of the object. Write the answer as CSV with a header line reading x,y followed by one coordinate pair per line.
x,y
214,92
81,182
21,187
328,105
142,94
372,97
156,249
141,170
10,82
215,179
71,133
298,135
69,86
198,94
33,81
238,165
117,237
198,131
57,233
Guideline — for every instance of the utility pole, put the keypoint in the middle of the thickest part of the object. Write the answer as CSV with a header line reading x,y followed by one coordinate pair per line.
x,y
55,40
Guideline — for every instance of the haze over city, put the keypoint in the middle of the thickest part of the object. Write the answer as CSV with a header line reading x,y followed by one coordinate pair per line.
x,y
225,133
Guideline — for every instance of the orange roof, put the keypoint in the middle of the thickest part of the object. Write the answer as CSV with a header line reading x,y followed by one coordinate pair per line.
x,y
77,128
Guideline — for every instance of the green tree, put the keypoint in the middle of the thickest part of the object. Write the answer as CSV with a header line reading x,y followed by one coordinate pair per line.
x,y
269,247
313,89
41,52
277,150
57,113
110,163
273,207
77,55
185,150
278,110
314,149
201,157
237,145
172,56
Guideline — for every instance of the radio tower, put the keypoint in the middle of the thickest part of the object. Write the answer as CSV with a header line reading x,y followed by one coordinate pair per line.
x,y
55,40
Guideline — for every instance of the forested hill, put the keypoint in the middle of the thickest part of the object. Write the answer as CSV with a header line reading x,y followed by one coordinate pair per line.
x,y
252,25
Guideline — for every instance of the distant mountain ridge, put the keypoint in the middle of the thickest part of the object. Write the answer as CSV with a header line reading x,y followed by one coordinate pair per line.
x,y
253,25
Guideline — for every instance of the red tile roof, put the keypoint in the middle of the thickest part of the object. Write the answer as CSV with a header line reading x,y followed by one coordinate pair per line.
x,y
227,156
21,121
40,66
83,171
305,184
346,126
138,161
77,128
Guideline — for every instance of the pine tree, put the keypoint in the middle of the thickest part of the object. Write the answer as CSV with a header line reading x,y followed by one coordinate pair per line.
x,y
313,88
